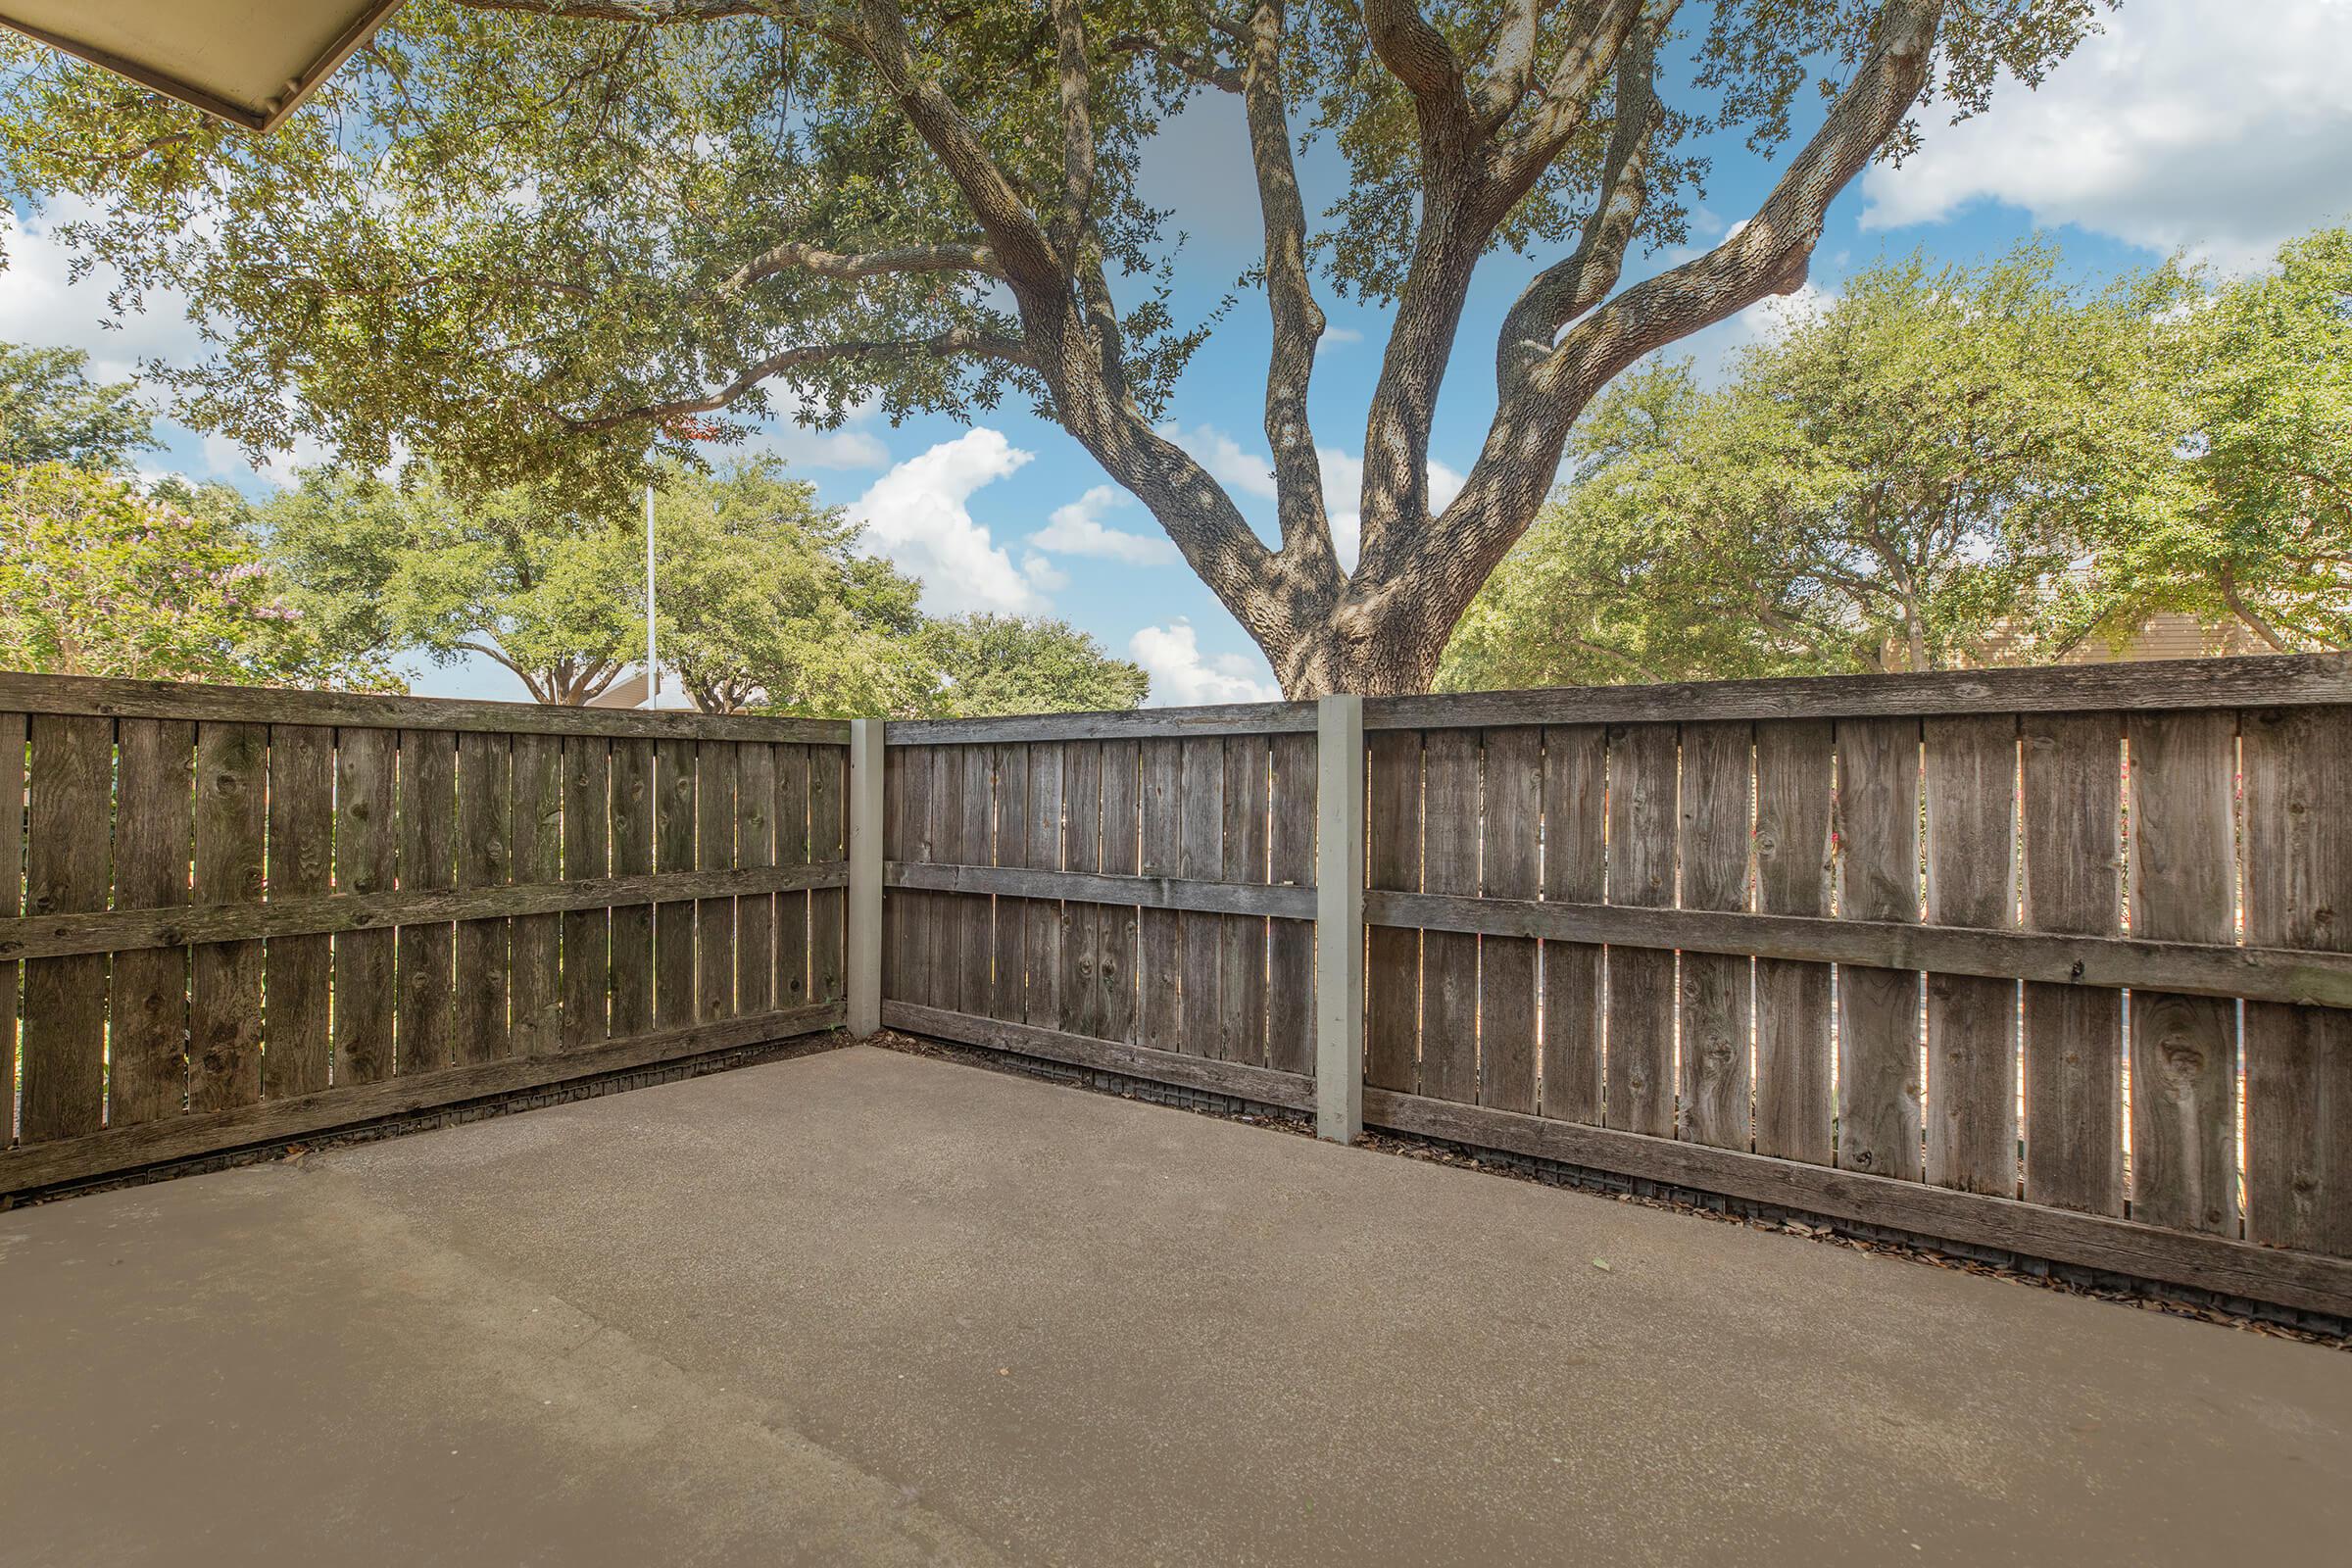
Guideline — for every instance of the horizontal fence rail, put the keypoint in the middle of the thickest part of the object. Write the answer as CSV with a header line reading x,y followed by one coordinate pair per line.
x,y
2002,957
237,915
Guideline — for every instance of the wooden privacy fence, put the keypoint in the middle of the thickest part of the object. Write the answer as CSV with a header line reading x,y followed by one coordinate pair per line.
x,y
2042,961
230,916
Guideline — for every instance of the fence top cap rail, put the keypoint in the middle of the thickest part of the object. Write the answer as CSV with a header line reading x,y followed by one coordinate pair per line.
x,y
2279,680
1135,723
94,696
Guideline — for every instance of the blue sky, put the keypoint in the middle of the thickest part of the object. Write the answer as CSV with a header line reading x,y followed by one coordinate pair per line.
x,y
2215,127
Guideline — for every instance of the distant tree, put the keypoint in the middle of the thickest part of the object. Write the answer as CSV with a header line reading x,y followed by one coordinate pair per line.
x,y
2266,538
1913,476
547,593
766,601
52,411
97,579
989,664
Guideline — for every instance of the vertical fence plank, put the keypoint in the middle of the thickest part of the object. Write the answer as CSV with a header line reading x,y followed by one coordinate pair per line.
x,y
2183,1048
587,852
942,922
1879,1109
1007,992
66,866
1118,936
1717,770
1201,854
2298,783
1081,990
147,1014
898,840
1971,773
299,970
2072,883
1241,939
714,851
1795,1108
12,904
975,912
1159,963
795,770
674,851
1291,943
1393,953
224,986
757,956
632,817
1575,817
425,1033
1512,869
485,860
366,861
537,836
1450,831
828,909
1642,1000
921,971
1041,918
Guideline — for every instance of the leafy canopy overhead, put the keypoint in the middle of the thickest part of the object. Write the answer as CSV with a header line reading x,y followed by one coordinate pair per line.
x,y
542,240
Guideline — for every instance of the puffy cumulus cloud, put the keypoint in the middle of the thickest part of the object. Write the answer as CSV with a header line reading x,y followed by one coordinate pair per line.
x,y
1077,529
42,301
2221,130
918,514
1182,676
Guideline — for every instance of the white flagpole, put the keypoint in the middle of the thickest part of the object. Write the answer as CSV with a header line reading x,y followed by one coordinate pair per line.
x,y
653,668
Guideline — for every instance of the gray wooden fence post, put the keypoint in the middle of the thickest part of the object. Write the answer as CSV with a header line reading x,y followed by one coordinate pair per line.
x,y
867,739
1339,918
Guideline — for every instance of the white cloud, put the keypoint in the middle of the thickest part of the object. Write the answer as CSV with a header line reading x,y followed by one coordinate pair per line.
x,y
1337,338
1042,574
1077,529
917,515
1182,676
41,302
2221,130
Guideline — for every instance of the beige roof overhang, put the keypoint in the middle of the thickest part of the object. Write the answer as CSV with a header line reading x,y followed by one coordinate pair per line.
x,y
250,62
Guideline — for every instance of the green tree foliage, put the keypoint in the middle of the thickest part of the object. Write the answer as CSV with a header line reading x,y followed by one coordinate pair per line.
x,y
981,666
2266,537
52,411
517,576
538,241
97,579
765,601
1914,476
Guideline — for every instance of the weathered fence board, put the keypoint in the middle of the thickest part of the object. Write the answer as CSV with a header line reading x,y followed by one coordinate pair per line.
x,y
1878,1066
828,909
428,860
674,851
1241,938
297,1043
485,860
147,1011
632,815
67,867
1119,932
761,935
1039,920
1081,1009
2184,1050
1796,1106
1511,867
1160,949
1971,1118
1291,943
1642,767
1393,961
12,903
715,777
224,996
587,934
2298,1060
1449,835
2072,882
537,1000
1576,761
1717,775
366,865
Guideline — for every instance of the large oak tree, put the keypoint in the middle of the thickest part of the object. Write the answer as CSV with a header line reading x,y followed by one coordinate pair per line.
x,y
539,239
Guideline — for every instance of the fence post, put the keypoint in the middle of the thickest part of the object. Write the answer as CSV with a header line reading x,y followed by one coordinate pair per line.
x,y
867,739
1339,918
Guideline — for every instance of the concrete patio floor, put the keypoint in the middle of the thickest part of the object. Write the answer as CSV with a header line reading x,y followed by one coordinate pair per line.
x,y
869,1307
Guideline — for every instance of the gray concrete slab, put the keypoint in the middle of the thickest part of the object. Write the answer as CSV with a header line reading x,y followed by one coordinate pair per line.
x,y
866,1308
